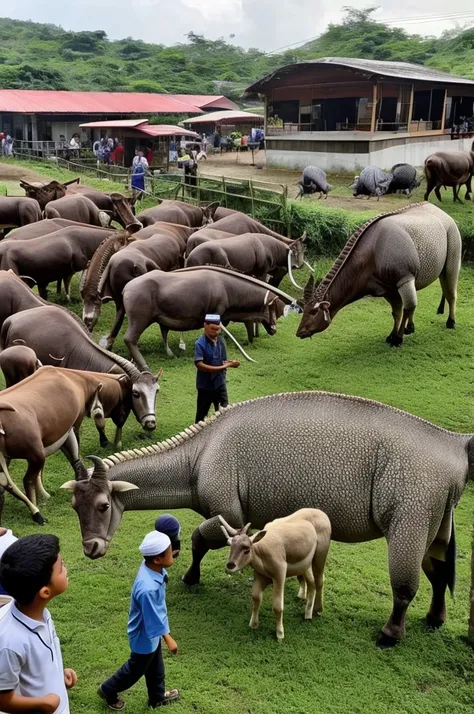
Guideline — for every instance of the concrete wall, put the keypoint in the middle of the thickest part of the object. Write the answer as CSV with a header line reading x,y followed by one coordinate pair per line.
x,y
67,128
353,152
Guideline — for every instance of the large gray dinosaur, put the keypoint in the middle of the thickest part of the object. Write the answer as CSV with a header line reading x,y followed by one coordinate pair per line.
x,y
375,470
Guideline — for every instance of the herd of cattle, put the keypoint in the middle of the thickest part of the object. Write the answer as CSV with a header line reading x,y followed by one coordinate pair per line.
x,y
442,169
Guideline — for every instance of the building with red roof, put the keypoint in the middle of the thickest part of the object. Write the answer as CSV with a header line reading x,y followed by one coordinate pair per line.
x,y
45,115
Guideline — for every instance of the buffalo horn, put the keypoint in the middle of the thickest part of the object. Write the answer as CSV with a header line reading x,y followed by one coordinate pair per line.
x,y
249,359
230,531
309,288
290,273
100,470
309,266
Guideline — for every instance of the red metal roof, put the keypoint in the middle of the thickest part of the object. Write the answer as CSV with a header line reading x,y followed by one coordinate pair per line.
x,y
31,101
142,126
204,101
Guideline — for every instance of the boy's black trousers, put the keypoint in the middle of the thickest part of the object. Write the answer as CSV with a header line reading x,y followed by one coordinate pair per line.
x,y
150,666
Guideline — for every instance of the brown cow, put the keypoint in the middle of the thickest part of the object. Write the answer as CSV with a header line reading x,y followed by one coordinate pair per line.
x,y
18,211
238,223
38,417
17,363
51,225
45,193
449,168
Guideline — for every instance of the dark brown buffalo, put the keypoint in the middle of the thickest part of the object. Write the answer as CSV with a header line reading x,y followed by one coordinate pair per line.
x,y
90,293
45,193
203,235
180,300
54,257
50,225
18,211
223,212
83,210
449,168
254,254
160,252
16,296
17,363
238,223
178,212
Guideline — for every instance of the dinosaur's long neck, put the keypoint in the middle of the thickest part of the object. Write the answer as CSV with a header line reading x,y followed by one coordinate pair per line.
x,y
163,480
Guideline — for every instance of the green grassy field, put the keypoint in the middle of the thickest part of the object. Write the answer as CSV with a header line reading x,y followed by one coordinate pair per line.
x,y
328,666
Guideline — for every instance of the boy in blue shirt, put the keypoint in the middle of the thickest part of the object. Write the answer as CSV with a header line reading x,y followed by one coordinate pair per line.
x,y
147,623
210,359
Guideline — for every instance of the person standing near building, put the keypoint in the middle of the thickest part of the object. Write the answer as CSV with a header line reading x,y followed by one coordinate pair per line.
x,y
210,359
139,169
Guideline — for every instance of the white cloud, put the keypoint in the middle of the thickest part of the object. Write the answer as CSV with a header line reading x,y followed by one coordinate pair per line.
x,y
267,24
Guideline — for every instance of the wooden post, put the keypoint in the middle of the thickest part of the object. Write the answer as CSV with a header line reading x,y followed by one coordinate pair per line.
x,y
410,110
265,119
443,116
373,122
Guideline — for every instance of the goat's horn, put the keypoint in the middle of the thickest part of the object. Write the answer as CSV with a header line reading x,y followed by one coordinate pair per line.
x,y
230,531
245,528
100,469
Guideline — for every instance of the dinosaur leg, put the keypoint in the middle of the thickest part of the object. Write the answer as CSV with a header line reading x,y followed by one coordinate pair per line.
x,y
397,314
449,287
406,544
409,298
208,536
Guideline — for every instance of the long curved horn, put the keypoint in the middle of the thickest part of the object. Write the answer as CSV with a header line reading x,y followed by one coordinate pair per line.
x,y
58,359
100,469
237,344
309,266
230,531
240,276
290,273
27,277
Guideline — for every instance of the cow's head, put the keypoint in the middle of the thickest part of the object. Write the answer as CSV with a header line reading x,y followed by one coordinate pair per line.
x,y
99,508
317,314
124,214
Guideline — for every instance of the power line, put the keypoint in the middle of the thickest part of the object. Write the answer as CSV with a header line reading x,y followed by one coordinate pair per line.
x,y
404,20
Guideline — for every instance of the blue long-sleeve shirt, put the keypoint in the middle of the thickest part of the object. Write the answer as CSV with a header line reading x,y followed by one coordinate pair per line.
x,y
148,619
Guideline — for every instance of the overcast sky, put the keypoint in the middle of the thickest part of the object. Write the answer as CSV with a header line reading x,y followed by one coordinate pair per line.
x,y
266,24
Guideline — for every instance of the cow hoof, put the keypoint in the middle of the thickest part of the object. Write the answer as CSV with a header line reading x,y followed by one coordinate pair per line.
x,y
385,641
190,578
394,340
38,518
410,329
433,623
450,323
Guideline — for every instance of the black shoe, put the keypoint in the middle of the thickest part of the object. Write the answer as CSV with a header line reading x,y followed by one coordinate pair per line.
x,y
169,698
116,704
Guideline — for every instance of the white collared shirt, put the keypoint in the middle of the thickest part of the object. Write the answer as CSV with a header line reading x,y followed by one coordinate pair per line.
x,y
31,663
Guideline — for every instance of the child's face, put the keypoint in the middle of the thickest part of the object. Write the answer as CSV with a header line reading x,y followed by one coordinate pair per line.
x,y
165,560
59,581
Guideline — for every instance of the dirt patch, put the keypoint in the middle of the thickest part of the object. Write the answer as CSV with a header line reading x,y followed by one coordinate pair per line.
x,y
10,173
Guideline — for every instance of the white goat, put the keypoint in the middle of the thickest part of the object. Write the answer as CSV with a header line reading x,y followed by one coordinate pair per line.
x,y
295,545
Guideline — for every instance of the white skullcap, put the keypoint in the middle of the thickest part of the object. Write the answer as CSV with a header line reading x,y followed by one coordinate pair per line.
x,y
154,543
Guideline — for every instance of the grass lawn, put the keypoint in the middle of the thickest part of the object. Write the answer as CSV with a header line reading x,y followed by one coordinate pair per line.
x,y
328,666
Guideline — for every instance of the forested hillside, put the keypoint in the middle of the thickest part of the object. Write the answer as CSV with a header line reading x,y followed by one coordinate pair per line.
x,y
37,56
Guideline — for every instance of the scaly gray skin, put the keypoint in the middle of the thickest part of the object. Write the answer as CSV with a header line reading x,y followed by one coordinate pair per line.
x,y
405,178
372,182
59,341
376,471
313,180
392,256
